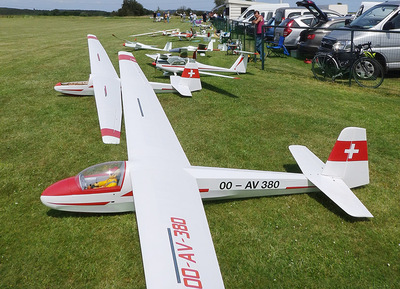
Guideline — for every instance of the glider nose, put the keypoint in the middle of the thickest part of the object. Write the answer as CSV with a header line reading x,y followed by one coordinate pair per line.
x,y
58,84
124,44
154,63
52,195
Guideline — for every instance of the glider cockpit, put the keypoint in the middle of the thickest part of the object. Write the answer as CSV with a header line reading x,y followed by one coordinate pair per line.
x,y
105,175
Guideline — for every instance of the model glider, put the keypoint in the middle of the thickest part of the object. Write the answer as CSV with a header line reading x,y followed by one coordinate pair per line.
x,y
185,84
140,46
165,190
188,35
175,64
201,48
156,33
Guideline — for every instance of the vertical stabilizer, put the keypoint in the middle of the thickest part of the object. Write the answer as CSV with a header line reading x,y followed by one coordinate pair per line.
x,y
168,46
240,65
349,158
189,80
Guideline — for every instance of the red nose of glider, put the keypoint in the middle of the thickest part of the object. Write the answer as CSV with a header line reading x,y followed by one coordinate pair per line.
x,y
64,187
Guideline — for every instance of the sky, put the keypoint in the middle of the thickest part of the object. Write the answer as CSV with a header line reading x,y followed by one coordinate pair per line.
x,y
114,5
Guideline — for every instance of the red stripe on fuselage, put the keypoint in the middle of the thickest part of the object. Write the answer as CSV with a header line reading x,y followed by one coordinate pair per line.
x,y
82,204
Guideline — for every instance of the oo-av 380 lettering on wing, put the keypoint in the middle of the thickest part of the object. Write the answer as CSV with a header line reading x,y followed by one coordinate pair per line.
x,y
183,254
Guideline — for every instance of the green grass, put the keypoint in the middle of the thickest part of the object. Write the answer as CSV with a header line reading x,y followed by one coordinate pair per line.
x,y
301,241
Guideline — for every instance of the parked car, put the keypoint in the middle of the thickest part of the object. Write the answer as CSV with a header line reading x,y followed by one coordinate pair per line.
x,y
269,29
291,28
289,12
310,39
384,17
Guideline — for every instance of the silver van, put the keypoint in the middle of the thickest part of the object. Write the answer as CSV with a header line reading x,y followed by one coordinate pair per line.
x,y
386,42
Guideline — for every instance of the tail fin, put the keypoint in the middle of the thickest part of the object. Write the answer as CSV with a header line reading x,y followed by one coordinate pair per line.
x,y
347,167
168,46
210,46
349,158
240,65
189,81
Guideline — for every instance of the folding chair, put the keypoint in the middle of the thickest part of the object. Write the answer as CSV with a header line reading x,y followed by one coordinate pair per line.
x,y
277,49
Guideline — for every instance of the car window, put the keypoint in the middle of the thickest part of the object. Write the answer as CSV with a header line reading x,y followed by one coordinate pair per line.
x,y
373,16
337,24
293,14
395,22
308,21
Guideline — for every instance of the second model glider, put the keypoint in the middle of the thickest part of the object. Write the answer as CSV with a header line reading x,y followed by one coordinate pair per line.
x,y
175,64
166,191
100,63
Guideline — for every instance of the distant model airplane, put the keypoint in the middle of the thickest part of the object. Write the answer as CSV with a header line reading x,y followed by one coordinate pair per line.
x,y
175,64
159,32
188,82
166,191
188,35
201,48
140,46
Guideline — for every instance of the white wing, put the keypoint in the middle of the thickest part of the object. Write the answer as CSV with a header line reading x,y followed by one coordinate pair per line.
x,y
107,91
176,243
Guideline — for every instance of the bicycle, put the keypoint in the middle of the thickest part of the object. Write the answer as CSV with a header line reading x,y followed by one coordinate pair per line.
x,y
363,67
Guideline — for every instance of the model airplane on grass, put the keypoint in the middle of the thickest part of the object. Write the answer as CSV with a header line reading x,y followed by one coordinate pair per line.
x,y
140,46
156,33
201,48
185,84
189,35
175,64
159,183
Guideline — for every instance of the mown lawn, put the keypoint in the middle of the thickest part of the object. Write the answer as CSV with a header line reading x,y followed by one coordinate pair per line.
x,y
300,241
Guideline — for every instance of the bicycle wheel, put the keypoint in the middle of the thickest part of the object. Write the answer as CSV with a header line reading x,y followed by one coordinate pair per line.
x,y
368,72
324,67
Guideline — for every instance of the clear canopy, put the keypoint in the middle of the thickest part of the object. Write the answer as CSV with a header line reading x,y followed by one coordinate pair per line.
x,y
108,174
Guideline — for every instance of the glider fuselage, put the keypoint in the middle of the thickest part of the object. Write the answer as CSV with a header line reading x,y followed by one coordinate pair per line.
x,y
79,194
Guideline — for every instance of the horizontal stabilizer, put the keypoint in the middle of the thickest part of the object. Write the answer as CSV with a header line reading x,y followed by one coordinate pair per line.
x,y
334,188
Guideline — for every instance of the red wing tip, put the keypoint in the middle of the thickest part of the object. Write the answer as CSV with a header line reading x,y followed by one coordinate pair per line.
x,y
236,78
92,37
126,57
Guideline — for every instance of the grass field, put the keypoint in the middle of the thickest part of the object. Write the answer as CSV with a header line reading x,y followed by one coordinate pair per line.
x,y
300,241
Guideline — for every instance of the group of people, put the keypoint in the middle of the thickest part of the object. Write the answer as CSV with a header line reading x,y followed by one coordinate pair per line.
x,y
157,17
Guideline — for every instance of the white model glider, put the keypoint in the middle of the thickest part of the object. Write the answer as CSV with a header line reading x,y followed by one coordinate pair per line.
x,y
200,48
156,33
185,84
165,190
175,64
140,46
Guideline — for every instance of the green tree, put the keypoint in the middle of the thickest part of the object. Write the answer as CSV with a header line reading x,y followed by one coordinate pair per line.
x,y
132,8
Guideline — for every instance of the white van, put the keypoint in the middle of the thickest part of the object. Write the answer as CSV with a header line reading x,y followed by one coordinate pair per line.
x,y
386,44
266,10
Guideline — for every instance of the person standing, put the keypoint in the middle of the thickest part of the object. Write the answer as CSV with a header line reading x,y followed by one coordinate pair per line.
x,y
259,22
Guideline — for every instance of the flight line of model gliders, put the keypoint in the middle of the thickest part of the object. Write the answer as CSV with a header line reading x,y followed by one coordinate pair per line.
x,y
159,183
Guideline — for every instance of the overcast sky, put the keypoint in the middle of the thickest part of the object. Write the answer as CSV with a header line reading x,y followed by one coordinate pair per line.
x,y
113,5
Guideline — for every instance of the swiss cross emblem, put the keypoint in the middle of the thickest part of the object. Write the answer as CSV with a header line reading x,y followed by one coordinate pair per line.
x,y
191,73
351,151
